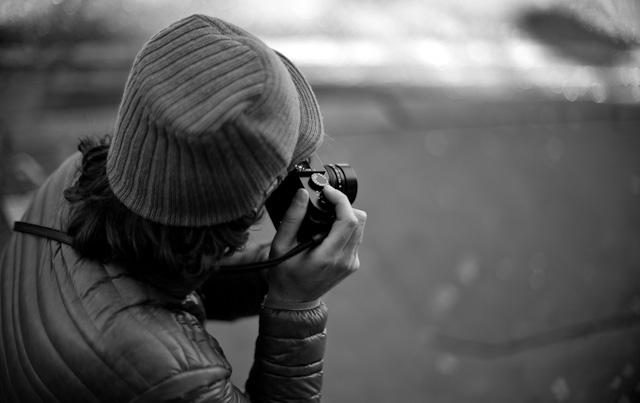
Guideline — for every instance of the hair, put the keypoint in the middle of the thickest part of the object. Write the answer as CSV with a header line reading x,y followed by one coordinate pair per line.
x,y
102,228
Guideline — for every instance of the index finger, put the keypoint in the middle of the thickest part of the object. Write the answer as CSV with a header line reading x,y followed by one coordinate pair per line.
x,y
290,224
346,220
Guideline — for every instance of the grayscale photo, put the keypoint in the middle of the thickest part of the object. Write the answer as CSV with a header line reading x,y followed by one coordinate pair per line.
x,y
288,201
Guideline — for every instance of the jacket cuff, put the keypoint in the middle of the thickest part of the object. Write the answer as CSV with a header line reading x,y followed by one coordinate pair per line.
x,y
293,324
289,306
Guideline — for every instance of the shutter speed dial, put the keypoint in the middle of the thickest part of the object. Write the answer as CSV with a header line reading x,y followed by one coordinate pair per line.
x,y
318,181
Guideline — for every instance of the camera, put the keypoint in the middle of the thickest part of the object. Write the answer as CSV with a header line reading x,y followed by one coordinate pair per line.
x,y
313,176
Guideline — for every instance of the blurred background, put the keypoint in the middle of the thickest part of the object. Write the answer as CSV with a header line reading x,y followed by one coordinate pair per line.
x,y
497,146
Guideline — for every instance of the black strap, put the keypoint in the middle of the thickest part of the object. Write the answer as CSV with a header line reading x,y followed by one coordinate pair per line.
x,y
56,235
39,230
248,267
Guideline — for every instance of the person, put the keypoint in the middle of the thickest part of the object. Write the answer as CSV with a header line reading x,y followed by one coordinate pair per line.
x,y
210,122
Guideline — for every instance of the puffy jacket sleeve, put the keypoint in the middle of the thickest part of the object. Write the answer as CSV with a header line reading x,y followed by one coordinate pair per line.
x,y
289,356
287,365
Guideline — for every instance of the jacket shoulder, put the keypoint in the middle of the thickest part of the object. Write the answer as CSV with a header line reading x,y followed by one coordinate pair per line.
x,y
143,332
73,329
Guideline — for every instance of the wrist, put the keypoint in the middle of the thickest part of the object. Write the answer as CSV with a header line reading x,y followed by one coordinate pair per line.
x,y
275,303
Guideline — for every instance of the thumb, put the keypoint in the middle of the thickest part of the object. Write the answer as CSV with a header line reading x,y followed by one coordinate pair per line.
x,y
288,229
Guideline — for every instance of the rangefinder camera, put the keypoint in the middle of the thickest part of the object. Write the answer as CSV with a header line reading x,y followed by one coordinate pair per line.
x,y
313,176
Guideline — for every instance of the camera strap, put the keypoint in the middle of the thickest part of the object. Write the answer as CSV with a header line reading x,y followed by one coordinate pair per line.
x,y
63,237
44,232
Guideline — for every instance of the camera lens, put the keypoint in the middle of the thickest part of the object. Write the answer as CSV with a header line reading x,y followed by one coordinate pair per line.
x,y
343,178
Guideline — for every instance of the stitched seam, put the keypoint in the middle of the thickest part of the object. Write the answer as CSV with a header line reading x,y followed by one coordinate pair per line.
x,y
207,388
308,338
181,374
275,364
270,398
19,347
149,332
84,336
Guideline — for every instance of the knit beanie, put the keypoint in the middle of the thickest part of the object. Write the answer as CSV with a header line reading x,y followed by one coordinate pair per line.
x,y
210,122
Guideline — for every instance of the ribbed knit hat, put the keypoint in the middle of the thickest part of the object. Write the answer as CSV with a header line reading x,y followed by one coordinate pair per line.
x,y
210,121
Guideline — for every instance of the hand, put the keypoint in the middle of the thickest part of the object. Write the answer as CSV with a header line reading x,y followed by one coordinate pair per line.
x,y
312,273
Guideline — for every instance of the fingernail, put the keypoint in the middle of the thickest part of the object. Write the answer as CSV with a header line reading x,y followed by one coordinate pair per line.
x,y
301,195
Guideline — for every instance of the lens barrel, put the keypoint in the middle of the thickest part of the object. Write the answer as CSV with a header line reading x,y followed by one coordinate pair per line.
x,y
343,178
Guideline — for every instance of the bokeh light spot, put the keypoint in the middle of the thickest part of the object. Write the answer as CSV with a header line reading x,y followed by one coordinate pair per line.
x,y
447,364
468,270
560,389
444,298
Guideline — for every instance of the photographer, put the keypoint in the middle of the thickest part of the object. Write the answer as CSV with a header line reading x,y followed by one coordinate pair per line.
x,y
211,122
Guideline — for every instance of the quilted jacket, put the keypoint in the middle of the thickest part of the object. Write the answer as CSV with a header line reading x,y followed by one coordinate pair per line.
x,y
75,330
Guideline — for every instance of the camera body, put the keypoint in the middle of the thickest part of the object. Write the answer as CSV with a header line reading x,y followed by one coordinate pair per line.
x,y
313,176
